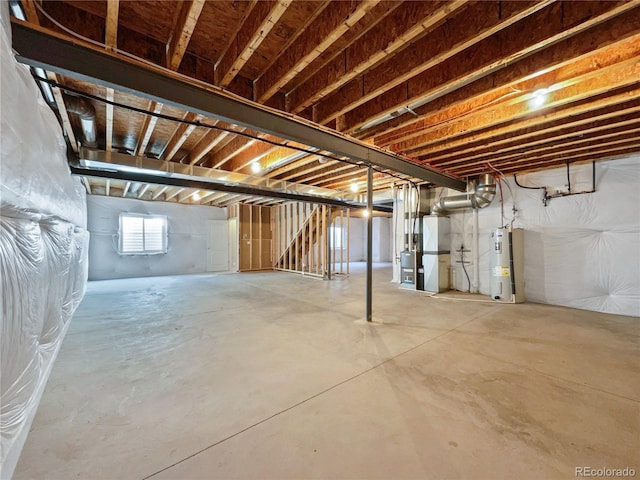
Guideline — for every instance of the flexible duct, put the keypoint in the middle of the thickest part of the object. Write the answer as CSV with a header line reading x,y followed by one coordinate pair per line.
x,y
83,108
480,193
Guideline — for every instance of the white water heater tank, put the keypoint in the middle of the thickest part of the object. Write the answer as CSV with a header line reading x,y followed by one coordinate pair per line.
x,y
506,263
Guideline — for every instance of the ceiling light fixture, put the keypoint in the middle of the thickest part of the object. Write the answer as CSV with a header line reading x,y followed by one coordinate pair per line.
x,y
196,196
539,98
255,167
365,213
354,187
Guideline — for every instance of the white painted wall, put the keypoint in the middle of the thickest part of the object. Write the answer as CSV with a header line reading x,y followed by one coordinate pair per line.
x,y
581,251
187,240
381,239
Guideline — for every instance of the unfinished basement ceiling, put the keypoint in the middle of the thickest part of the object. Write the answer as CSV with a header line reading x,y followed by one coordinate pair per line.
x,y
461,87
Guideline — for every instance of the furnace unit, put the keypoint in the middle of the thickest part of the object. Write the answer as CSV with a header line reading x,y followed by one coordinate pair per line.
x,y
506,264
436,258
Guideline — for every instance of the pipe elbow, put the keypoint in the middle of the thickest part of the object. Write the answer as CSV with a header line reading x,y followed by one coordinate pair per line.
x,y
480,194
80,106
485,195
87,114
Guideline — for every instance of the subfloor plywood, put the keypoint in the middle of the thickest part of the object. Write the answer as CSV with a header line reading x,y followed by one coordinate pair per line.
x,y
272,375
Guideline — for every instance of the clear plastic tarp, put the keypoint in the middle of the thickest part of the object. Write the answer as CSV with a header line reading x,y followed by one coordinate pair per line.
x,y
581,251
43,247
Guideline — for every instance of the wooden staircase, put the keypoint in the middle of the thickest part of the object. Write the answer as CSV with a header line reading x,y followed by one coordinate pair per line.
x,y
300,238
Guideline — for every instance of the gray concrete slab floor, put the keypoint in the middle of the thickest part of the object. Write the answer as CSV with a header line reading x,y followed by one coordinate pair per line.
x,y
275,376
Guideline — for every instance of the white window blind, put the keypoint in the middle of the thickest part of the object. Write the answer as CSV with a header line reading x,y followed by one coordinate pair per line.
x,y
142,234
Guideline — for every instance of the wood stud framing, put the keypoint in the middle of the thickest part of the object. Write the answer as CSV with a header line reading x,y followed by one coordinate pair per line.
x,y
468,70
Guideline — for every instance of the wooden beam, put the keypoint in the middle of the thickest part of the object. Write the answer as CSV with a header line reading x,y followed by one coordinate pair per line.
x,y
406,24
30,11
126,189
147,127
180,37
175,193
31,14
480,21
255,28
490,57
348,171
330,24
305,167
53,51
293,165
505,47
205,196
516,146
256,152
268,155
626,114
354,177
480,94
234,147
229,198
186,196
619,114
559,96
159,192
111,43
107,187
601,143
143,190
452,137
592,153
109,95
305,173
111,29
180,135
87,184
206,144
214,197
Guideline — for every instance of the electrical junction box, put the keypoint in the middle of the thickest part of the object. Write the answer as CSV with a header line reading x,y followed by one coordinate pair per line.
x,y
506,264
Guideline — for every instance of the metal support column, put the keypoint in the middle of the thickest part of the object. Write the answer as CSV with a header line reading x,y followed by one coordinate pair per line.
x,y
369,243
329,243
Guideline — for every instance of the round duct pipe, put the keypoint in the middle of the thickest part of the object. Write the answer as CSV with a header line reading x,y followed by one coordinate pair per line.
x,y
480,192
87,114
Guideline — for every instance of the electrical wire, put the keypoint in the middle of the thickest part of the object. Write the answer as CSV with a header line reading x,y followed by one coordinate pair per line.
x,y
102,45
545,197
448,121
74,91
513,198
166,117
463,267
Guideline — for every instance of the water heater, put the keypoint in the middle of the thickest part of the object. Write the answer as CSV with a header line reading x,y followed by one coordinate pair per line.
x,y
506,263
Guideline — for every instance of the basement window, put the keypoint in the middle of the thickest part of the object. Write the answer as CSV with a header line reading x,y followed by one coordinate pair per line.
x,y
142,234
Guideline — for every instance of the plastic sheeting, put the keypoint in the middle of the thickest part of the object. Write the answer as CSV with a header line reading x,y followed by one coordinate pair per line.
x,y
187,238
43,247
581,251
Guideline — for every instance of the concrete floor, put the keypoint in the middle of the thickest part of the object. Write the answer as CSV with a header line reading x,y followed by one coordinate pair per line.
x,y
271,375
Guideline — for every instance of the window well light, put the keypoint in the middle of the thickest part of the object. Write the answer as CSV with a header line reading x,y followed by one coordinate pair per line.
x,y
255,167
354,187
538,98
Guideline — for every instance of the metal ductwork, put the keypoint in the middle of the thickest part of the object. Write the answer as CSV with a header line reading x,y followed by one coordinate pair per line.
x,y
480,192
84,109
